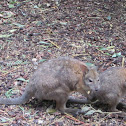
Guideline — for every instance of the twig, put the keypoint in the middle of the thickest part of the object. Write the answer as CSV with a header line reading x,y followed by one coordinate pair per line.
x,y
53,43
79,55
93,17
74,119
123,60
110,112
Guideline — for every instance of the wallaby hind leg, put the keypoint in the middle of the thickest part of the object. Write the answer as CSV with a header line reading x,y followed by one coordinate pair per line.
x,y
113,100
61,106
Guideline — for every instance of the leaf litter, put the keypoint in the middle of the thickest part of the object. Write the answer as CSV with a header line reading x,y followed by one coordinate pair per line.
x,y
92,31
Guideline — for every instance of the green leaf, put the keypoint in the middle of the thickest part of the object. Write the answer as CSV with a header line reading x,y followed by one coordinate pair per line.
x,y
12,1
110,47
13,30
114,55
21,108
22,79
3,71
7,14
42,60
36,6
117,55
50,110
63,23
89,64
42,42
18,62
107,54
11,6
99,10
25,62
107,48
85,108
39,23
89,44
9,93
3,120
5,35
109,17
19,25
102,48
90,112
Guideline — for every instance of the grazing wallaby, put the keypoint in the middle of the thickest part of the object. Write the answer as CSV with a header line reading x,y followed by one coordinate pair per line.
x,y
55,79
112,87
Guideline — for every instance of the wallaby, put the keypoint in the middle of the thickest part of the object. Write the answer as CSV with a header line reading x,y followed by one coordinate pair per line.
x,y
55,79
112,87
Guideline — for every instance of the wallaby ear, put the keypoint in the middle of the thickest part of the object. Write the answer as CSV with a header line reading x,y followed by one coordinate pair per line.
x,y
91,66
84,68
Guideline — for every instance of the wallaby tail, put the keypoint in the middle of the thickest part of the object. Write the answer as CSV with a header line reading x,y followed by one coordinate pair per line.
x,y
20,100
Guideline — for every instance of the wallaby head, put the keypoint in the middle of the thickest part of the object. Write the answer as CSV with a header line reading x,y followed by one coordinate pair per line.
x,y
91,79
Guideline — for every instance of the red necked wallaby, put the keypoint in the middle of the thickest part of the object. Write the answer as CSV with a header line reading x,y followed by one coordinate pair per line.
x,y
112,87
55,79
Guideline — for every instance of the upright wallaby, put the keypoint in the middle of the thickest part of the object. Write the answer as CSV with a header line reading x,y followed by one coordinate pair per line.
x,y
112,87
55,79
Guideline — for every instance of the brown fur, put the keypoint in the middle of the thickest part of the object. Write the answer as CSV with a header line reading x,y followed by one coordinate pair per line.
x,y
55,79
112,87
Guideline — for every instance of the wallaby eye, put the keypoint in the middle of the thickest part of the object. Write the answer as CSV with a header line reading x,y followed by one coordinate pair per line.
x,y
90,80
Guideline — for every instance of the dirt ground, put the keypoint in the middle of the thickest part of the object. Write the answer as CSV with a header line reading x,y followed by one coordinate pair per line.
x,y
93,31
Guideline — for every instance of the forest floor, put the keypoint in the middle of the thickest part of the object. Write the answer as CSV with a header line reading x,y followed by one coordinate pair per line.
x,y
89,30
